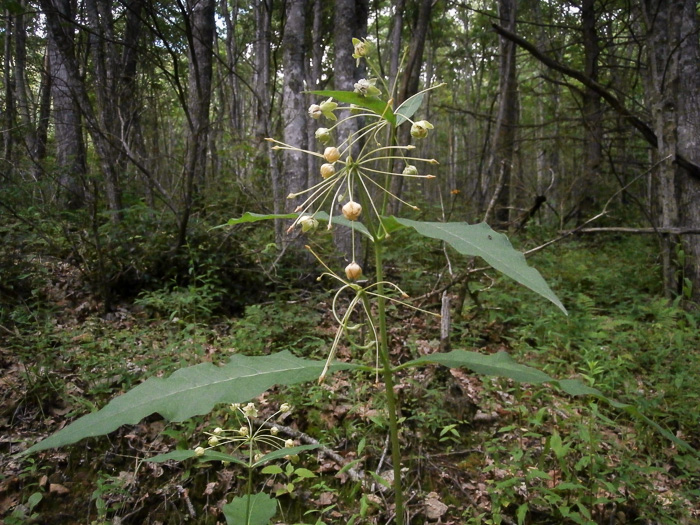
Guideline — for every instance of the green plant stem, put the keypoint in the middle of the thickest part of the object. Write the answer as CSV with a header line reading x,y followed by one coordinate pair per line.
x,y
388,375
249,485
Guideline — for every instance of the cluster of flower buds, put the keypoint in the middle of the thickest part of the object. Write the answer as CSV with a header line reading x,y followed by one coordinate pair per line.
x,y
248,434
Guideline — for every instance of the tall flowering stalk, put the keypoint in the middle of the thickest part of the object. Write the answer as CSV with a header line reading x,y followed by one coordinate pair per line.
x,y
355,176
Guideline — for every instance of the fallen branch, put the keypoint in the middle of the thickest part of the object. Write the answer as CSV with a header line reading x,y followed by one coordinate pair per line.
x,y
305,438
623,229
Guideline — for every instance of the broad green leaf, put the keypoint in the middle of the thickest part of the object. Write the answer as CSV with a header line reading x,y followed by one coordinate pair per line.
x,y
408,108
480,240
374,104
262,509
190,392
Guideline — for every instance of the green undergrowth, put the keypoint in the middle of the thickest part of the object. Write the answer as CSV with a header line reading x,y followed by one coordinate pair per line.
x,y
492,451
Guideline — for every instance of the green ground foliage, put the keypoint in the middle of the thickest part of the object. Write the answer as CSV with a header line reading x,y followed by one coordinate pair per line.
x,y
477,450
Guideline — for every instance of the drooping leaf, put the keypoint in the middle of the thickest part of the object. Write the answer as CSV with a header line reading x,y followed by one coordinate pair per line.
x,y
374,104
408,108
480,240
262,509
190,392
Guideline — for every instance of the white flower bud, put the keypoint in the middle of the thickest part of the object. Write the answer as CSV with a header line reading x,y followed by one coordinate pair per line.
x,y
331,154
352,210
243,431
361,48
419,130
199,451
366,87
274,431
250,411
353,271
323,135
289,443
410,170
308,224
315,111
285,407
327,170
257,457
218,431
235,406
213,441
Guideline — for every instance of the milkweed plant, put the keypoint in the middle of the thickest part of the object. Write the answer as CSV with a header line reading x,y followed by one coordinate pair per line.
x,y
351,190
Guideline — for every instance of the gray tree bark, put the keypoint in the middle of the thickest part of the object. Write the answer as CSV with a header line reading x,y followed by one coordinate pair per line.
x,y
294,108
200,24
673,92
70,147
502,155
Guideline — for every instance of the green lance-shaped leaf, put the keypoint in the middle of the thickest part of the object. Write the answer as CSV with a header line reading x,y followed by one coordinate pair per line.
x,y
480,240
262,509
373,104
190,392
408,108
321,216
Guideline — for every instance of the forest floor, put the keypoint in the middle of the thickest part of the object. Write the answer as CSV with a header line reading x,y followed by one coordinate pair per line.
x,y
476,450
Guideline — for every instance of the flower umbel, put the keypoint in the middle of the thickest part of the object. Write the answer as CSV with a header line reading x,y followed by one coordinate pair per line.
x,y
259,437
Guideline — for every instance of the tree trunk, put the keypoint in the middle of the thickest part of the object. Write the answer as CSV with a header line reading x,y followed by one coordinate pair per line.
x,y
584,195
350,22
70,148
503,145
7,123
101,36
410,82
200,24
673,91
294,108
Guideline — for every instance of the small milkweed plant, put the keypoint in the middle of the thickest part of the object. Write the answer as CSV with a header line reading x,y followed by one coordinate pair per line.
x,y
351,190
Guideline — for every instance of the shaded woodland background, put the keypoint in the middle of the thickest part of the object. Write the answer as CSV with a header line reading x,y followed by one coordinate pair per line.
x,y
129,125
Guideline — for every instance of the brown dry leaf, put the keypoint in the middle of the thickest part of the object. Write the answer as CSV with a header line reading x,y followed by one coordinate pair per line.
x,y
57,488
434,508
326,498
